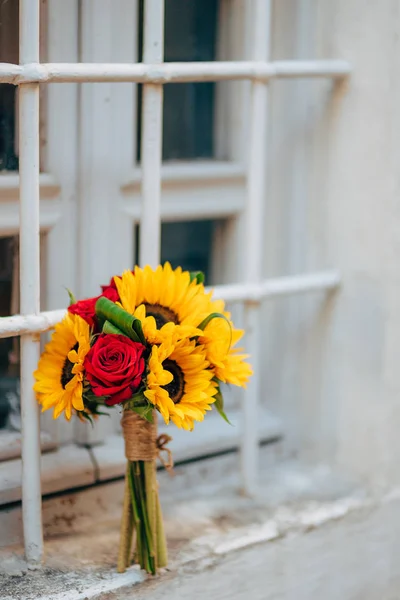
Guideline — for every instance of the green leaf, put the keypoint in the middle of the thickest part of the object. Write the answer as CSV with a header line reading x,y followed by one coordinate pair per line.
x,y
86,416
88,396
210,317
72,299
219,405
89,417
110,328
146,412
120,318
100,323
139,403
141,406
197,275
99,412
137,328
138,399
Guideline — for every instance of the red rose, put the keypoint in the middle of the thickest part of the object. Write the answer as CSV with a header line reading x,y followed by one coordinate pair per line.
x,y
111,288
110,292
86,308
114,366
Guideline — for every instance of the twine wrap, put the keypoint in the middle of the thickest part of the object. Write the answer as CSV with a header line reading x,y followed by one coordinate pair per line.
x,y
140,437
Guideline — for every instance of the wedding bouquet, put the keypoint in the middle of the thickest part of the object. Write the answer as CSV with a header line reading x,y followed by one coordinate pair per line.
x,y
154,341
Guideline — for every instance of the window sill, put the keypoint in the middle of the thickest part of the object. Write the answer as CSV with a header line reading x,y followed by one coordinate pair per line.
x,y
9,203
10,444
174,172
72,466
192,190
68,467
9,186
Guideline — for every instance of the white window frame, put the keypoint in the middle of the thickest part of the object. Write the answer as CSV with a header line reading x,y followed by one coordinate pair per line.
x,y
73,193
152,73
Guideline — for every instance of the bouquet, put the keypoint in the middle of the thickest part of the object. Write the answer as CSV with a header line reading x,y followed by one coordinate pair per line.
x,y
153,341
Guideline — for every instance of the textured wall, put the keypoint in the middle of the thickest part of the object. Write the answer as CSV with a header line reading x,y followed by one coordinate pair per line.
x,y
333,200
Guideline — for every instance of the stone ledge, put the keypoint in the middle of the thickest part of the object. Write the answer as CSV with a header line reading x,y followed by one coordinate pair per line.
x,y
207,524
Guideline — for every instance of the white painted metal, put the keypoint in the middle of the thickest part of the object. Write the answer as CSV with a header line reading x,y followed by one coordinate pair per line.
x,y
253,236
281,286
253,292
30,323
30,281
170,72
151,147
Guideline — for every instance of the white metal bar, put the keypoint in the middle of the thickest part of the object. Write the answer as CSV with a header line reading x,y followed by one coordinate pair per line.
x,y
281,286
30,281
240,292
170,72
151,146
32,323
253,235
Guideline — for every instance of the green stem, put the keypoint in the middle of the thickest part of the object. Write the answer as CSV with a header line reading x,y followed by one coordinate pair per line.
x,y
127,525
144,542
142,496
151,551
148,538
162,552
151,494
136,516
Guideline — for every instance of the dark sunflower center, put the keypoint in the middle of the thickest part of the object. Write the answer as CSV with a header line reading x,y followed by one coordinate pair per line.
x,y
66,372
161,314
176,388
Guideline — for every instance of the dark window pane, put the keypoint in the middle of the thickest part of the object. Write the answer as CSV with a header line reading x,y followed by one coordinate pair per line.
x,y
188,118
9,347
8,53
186,244
8,295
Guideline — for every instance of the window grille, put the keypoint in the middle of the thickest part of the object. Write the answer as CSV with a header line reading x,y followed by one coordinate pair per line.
x,y
153,74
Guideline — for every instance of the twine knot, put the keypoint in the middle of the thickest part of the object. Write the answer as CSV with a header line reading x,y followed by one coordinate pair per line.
x,y
162,442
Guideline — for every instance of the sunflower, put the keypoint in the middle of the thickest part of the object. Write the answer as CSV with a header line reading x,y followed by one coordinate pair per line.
x,y
228,363
179,382
168,332
166,296
59,374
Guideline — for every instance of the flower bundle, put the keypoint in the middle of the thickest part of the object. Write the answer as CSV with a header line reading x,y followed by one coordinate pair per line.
x,y
153,341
